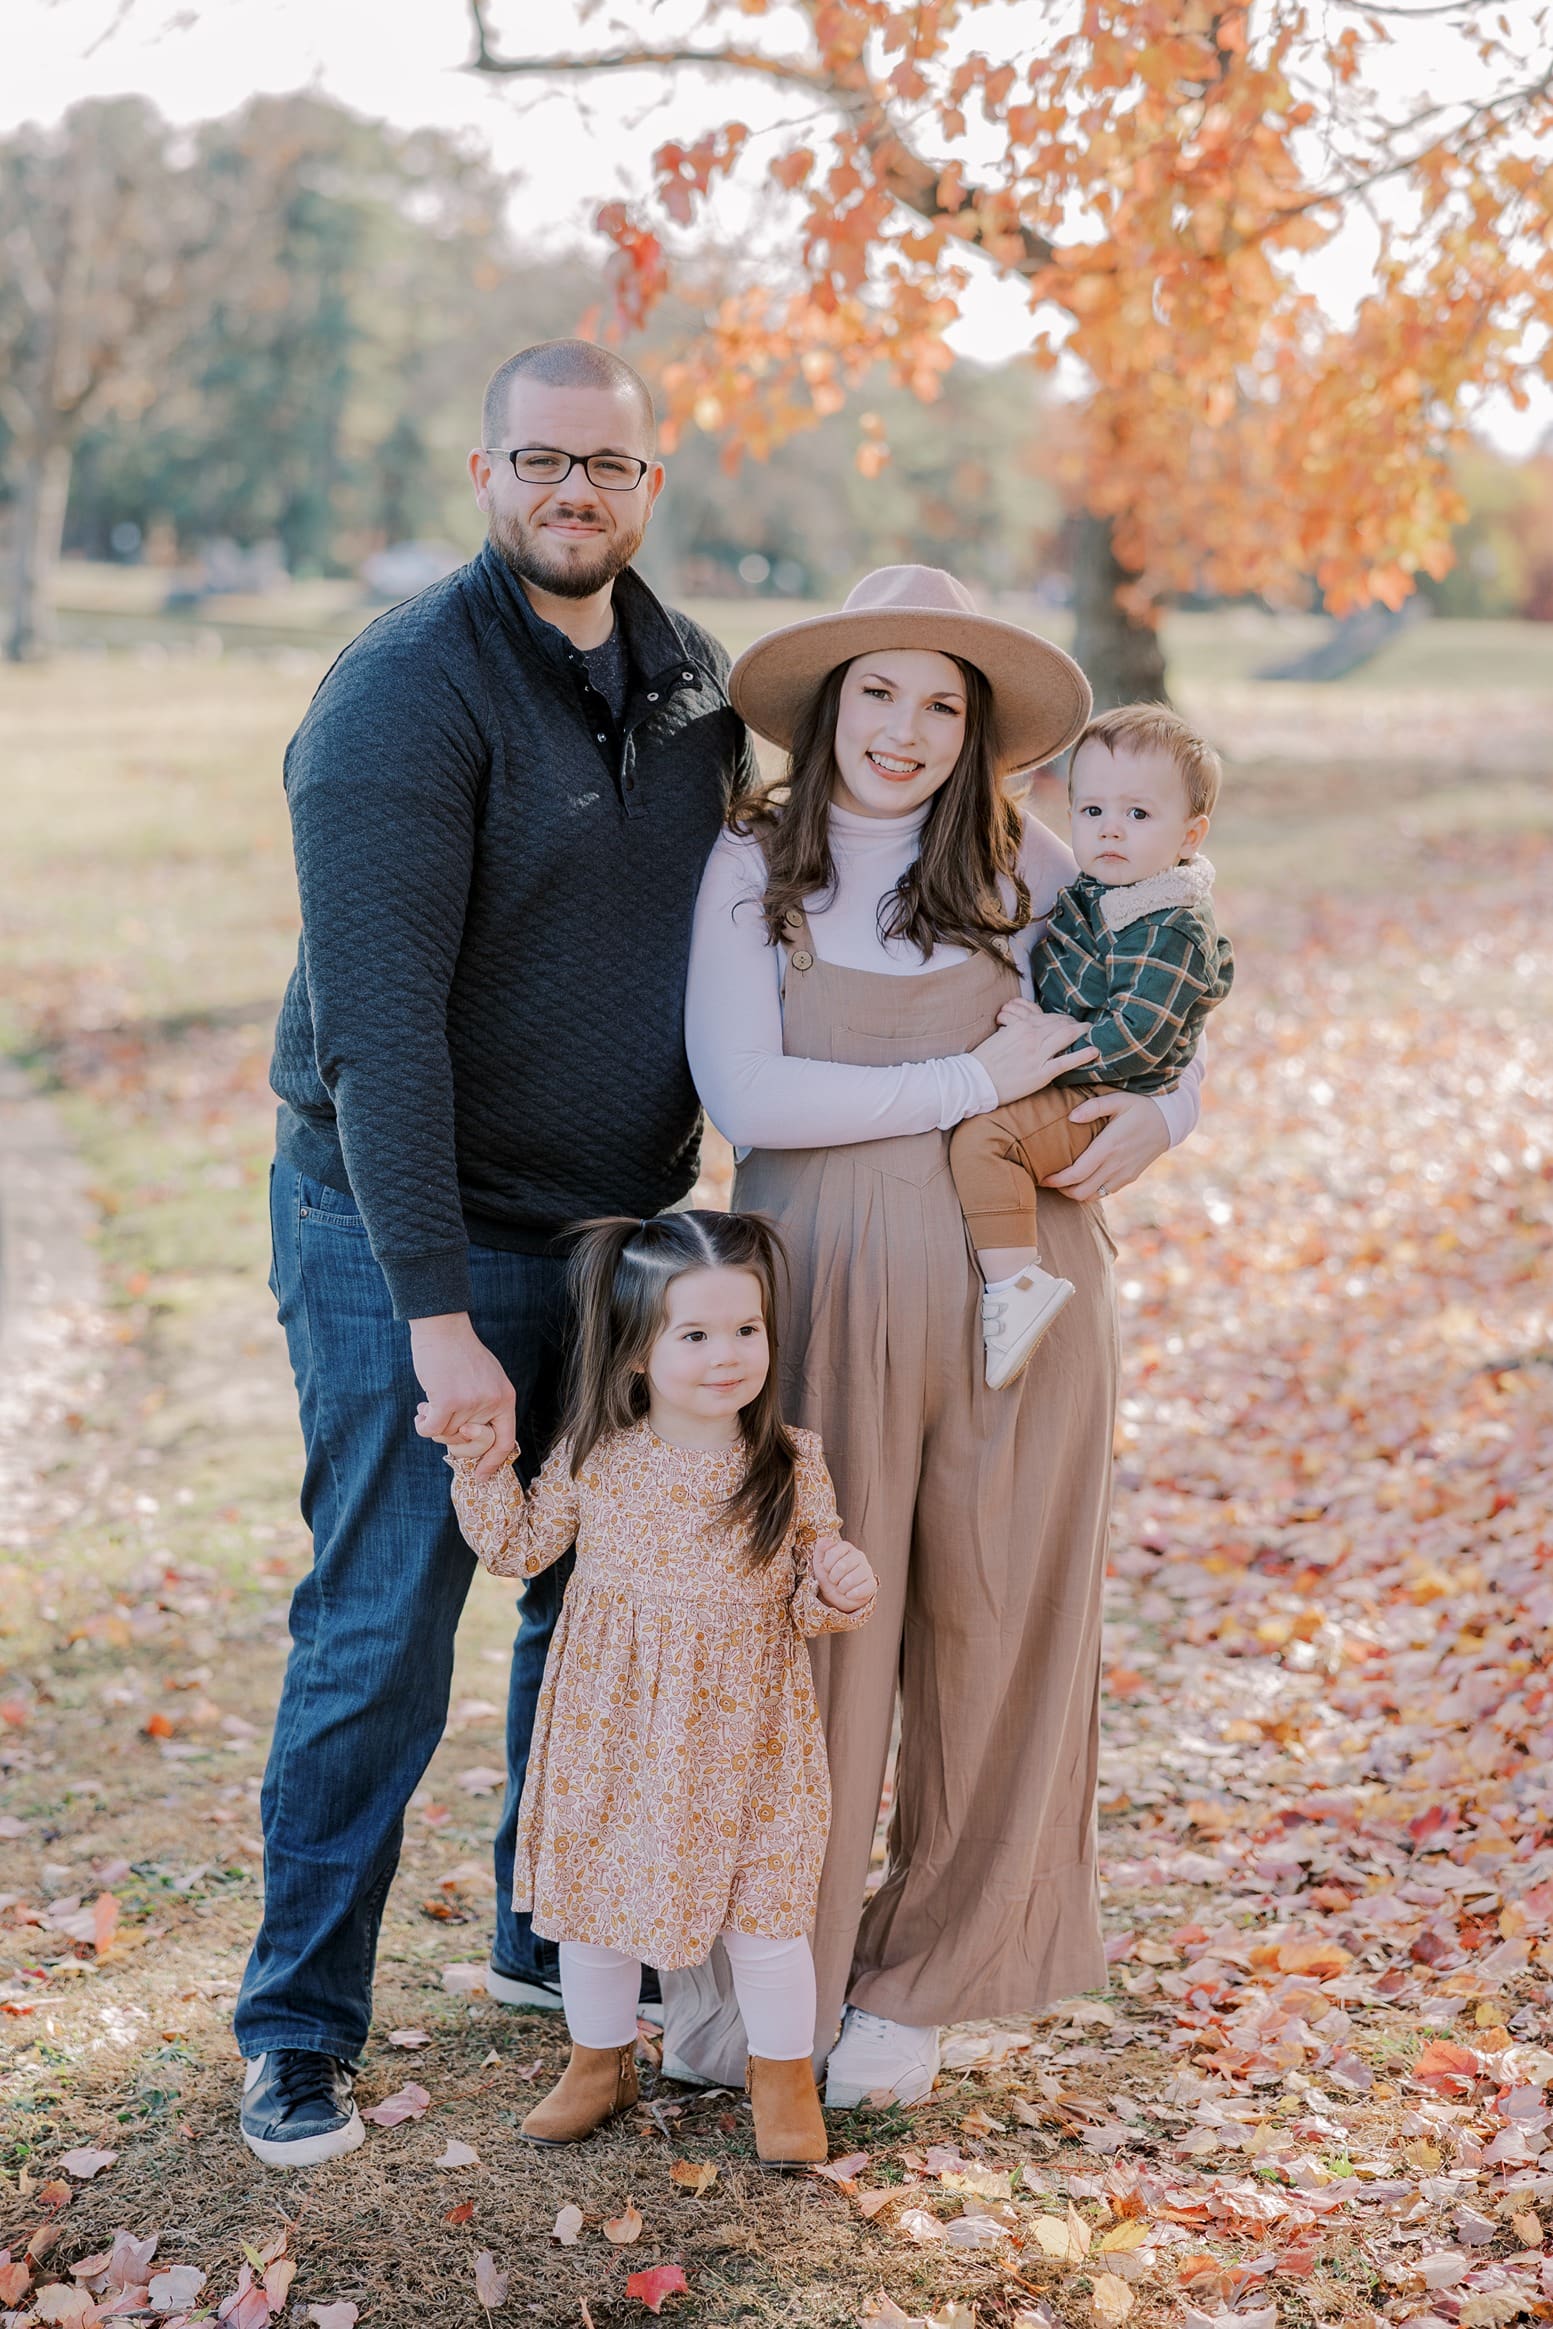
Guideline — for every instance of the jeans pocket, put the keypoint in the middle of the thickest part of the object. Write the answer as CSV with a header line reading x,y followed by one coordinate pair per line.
x,y
330,1208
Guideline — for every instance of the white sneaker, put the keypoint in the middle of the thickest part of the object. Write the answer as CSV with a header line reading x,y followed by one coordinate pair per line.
x,y
875,2058
1015,1316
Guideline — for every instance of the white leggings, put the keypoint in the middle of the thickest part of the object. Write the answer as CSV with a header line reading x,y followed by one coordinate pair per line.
x,y
772,1980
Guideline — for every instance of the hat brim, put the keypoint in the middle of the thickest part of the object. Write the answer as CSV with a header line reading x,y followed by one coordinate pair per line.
x,y
1041,696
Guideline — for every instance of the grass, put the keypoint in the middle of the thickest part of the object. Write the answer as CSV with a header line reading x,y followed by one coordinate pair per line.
x,y
149,923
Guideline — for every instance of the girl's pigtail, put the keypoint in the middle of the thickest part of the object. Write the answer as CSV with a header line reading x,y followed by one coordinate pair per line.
x,y
604,1393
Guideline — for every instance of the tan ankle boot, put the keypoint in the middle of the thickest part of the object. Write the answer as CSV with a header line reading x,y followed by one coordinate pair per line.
x,y
597,2084
789,2125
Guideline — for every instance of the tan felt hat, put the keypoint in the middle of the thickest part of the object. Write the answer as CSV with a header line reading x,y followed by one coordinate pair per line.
x,y
1042,697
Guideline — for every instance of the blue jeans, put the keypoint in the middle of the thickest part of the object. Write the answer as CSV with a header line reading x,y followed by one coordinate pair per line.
x,y
365,1696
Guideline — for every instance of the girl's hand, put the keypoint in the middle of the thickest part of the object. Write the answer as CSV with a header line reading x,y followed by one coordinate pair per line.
x,y
1030,1048
470,1441
844,1576
1135,1135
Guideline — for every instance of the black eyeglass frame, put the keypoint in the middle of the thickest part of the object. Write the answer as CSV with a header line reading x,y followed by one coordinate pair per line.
x,y
582,461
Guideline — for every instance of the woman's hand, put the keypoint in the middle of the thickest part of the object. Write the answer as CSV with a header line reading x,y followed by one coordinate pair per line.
x,y
1030,1048
844,1576
1135,1135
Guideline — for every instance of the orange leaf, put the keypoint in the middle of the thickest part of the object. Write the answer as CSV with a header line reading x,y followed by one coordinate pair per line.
x,y
650,2288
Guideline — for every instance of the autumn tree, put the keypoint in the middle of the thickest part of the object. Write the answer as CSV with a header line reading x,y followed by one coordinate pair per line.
x,y
1157,172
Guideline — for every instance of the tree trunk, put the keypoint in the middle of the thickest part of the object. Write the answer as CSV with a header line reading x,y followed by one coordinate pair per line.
x,y
1121,658
40,528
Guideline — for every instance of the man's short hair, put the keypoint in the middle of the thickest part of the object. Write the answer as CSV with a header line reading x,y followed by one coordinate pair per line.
x,y
1156,728
564,364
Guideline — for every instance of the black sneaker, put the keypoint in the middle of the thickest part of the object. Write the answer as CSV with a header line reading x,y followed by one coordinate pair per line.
x,y
524,1989
297,2108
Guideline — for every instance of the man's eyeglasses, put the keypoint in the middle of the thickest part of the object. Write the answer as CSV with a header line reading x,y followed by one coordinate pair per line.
x,y
542,465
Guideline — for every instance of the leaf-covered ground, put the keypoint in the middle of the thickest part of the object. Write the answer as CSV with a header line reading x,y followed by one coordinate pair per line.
x,y
1319,2086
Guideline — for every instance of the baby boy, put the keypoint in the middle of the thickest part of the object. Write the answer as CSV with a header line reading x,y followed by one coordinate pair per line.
x,y
1132,947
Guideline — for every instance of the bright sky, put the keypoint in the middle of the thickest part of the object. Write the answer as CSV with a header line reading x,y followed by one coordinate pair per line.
x,y
401,60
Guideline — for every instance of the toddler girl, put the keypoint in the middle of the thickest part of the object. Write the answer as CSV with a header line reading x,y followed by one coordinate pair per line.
x,y
677,1786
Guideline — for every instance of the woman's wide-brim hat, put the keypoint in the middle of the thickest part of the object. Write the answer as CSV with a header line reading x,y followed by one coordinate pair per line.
x,y
1041,696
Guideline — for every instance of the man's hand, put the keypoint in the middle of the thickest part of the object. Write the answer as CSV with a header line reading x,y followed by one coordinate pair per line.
x,y
469,1405
844,1576
1134,1137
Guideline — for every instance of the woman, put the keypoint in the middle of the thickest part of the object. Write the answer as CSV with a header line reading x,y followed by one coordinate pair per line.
x,y
853,948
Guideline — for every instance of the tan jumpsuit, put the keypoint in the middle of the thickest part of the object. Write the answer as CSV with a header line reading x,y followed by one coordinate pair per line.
x,y
984,1513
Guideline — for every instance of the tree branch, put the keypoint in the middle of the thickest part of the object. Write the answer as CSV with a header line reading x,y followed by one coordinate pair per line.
x,y
911,179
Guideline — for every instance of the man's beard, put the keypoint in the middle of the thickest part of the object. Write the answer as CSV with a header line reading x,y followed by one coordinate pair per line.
x,y
521,550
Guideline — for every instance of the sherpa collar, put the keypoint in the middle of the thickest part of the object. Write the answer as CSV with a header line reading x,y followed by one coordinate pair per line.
x,y
1187,884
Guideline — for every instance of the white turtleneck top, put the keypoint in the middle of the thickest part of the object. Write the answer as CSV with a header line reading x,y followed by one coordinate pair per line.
x,y
758,1097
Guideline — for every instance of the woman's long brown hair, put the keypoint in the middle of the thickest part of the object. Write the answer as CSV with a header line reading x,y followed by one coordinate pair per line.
x,y
621,1273
951,893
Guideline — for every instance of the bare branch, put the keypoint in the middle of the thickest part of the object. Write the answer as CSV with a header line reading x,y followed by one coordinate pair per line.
x,y
638,60
31,275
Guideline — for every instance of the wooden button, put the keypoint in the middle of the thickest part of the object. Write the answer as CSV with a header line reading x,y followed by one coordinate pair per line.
x,y
803,959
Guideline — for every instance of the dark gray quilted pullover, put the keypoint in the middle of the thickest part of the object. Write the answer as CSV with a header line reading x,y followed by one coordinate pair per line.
x,y
482,1039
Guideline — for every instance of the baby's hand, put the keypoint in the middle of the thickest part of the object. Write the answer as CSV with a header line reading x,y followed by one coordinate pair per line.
x,y
844,1576
469,1445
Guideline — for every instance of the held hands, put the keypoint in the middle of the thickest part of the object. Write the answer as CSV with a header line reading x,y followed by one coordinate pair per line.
x,y
844,1576
469,1405
1030,1048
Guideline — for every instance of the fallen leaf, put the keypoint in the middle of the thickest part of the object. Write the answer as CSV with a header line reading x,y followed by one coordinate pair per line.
x,y
1132,2232
85,2163
175,2287
342,2314
105,1921
410,2102
650,2288
1489,2308
464,1980
15,2279
885,2310
462,2214
277,2280
844,2170
567,2227
490,2281
482,1779
456,2154
409,2037
694,2175
1441,2268
1528,2229
72,2308
1110,2299
974,2231
1066,2237
919,2225
623,2229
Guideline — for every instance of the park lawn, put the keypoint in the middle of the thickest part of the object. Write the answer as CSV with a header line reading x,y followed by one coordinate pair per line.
x,y
1383,1034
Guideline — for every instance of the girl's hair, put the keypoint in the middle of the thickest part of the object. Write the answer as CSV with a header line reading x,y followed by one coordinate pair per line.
x,y
621,1273
951,893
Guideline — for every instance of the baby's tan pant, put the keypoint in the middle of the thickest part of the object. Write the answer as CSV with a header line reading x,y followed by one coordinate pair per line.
x,y
997,1160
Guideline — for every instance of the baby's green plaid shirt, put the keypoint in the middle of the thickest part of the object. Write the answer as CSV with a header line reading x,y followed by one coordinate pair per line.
x,y
1144,963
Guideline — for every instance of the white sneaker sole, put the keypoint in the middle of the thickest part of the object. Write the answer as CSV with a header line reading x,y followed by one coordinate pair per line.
x,y
310,2150
843,2094
510,1991
1006,1366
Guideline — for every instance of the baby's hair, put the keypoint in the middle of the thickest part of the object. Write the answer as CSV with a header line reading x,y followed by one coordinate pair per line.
x,y
1156,728
621,1273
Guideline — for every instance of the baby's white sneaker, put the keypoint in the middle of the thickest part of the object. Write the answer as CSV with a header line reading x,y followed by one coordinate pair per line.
x,y
894,2061
1015,1314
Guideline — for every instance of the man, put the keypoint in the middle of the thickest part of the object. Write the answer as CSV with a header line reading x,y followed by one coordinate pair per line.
x,y
502,797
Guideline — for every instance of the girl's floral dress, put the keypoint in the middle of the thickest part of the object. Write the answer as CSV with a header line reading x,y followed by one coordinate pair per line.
x,y
677,1781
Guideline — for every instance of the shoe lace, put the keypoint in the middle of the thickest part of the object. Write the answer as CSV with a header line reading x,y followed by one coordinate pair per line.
x,y
301,2076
